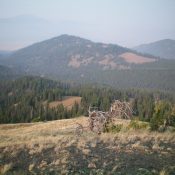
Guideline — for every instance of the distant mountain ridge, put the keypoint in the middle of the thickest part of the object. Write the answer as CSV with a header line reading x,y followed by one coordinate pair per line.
x,y
163,48
72,52
71,58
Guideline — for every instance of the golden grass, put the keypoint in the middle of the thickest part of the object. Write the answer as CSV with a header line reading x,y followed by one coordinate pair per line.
x,y
67,102
57,143
11,134
52,131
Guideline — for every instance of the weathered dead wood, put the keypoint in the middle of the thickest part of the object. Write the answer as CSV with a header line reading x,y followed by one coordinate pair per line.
x,y
98,119
121,109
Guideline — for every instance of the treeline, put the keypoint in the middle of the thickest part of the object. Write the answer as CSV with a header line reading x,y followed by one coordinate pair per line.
x,y
27,100
158,110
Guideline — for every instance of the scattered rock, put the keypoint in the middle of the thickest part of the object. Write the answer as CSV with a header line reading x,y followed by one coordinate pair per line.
x,y
169,149
43,164
31,166
91,165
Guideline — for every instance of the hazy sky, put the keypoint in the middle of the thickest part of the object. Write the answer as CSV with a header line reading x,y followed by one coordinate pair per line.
x,y
124,22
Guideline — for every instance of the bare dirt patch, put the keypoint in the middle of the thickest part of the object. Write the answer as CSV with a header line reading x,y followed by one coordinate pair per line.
x,y
133,58
76,61
108,62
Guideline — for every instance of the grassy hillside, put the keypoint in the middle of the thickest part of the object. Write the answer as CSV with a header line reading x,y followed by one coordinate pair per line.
x,y
68,102
53,148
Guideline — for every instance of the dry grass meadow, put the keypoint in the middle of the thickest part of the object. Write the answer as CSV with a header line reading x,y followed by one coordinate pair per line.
x,y
67,102
54,148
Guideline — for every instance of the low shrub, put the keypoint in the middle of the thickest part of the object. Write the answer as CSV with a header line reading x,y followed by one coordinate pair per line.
x,y
164,116
112,128
36,119
135,124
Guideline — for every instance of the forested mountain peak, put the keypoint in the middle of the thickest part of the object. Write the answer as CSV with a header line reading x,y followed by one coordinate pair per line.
x,y
72,58
68,52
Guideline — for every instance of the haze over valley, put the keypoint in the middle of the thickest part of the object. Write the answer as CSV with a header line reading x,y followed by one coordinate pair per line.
x,y
87,87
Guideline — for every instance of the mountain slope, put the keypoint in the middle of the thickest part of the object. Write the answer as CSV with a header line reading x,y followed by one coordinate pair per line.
x,y
71,58
9,73
163,48
69,52
5,53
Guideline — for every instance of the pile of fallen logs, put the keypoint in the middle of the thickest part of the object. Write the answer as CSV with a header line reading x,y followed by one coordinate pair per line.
x,y
98,119
121,110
